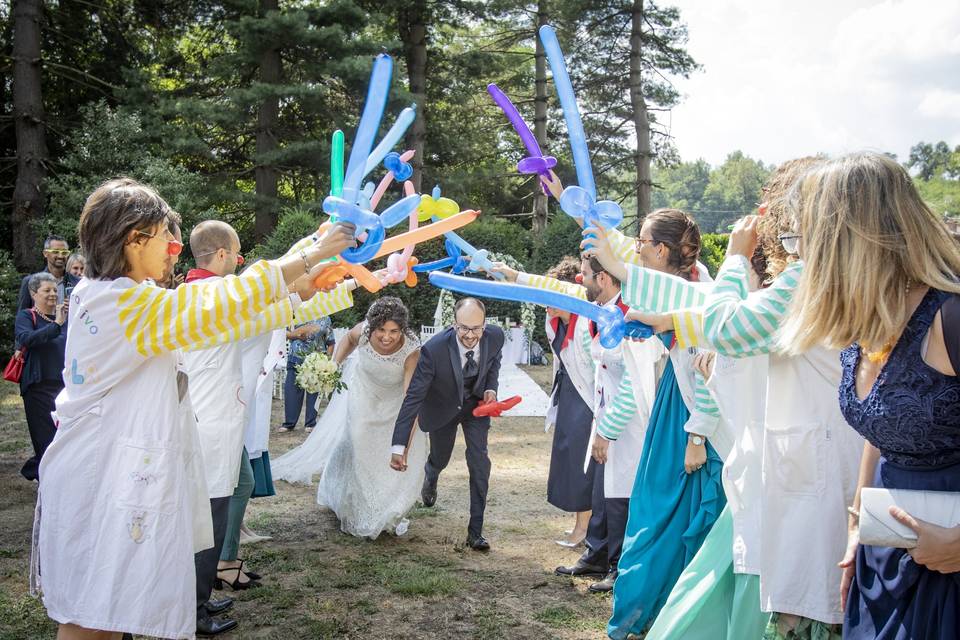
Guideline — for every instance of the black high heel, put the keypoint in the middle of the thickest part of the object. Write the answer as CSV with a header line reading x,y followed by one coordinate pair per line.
x,y
236,585
249,574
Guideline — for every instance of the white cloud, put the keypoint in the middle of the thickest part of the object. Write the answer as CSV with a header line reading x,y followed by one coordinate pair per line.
x,y
785,79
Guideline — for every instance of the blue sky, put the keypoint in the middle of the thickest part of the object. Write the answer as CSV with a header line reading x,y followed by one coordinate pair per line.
x,y
786,79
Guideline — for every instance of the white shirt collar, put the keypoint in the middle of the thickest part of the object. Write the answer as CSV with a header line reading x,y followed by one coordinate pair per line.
x,y
463,350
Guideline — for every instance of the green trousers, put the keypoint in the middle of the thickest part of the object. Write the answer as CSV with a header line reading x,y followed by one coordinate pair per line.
x,y
238,507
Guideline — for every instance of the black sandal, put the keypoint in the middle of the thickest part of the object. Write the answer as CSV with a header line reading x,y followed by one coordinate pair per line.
x,y
236,585
249,574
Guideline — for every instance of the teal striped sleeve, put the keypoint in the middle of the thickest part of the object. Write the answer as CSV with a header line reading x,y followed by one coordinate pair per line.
x,y
620,411
652,291
738,323
705,417
552,284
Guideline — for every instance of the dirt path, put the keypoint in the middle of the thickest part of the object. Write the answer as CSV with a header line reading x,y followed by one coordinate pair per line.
x,y
321,583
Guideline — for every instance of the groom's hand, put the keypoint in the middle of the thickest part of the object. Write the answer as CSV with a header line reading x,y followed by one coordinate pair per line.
x,y
397,462
489,396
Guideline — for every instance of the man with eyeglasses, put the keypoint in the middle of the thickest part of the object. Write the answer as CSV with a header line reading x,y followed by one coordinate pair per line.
x,y
56,250
458,368
216,388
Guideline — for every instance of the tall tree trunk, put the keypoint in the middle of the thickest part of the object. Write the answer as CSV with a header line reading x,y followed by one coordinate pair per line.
x,y
540,119
29,123
412,23
265,174
641,121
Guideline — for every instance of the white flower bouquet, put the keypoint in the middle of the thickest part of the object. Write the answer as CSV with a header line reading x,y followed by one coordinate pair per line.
x,y
319,374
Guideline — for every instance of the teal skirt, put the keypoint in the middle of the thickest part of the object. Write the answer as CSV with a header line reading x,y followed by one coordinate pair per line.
x,y
710,601
262,477
671,513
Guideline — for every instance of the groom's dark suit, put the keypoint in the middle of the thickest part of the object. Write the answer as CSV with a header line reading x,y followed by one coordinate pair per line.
x,y
442,398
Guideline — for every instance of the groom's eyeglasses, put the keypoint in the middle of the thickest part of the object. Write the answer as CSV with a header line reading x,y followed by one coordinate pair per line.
x,y
469,330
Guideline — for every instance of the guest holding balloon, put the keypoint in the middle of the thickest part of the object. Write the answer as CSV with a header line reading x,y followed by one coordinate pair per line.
x,y
41,335
880,282
677,493
129,564
624,381
718,594
812,457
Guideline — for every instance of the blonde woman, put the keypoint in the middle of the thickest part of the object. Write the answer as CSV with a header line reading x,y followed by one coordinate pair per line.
x,y
881,275
115,536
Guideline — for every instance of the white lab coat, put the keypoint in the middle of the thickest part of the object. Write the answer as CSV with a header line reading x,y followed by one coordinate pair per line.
x,y
739,386
118,521
216,388
260,357
623,455
578,362
811,459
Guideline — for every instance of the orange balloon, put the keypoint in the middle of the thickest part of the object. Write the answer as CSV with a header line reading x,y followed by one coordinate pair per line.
x,y
341,268
411,279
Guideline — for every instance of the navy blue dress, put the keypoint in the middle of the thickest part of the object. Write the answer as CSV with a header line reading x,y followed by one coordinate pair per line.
x,y
912,415
568,487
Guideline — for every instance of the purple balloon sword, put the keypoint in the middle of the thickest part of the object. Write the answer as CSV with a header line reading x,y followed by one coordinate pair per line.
x,y
535,162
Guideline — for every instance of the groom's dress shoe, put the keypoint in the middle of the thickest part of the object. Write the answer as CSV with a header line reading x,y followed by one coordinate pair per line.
x,y
215,607
428,493
478,543
605,585
581,568
208,626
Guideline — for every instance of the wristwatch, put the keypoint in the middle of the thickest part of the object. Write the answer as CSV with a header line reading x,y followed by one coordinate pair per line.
x,y
697,440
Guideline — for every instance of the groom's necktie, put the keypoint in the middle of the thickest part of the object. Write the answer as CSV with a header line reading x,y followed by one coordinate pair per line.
x,y
470,368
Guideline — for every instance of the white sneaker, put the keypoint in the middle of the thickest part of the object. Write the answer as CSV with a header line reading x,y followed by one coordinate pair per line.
x,y
401,527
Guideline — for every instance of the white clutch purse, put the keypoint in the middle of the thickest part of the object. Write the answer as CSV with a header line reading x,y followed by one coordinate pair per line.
x,y
878,528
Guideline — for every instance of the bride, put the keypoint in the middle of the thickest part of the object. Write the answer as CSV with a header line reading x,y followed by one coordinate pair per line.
x,y
353,436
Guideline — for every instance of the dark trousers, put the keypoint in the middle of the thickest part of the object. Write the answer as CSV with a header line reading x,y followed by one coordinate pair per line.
x,y
596,540
475,432
607,526
617,510
293,397
38,401
206,560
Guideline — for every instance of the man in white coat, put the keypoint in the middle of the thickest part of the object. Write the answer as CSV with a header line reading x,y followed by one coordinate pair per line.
x,y
621,412
216,387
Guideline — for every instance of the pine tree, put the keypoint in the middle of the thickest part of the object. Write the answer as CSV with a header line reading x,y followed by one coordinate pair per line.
x,y
624,55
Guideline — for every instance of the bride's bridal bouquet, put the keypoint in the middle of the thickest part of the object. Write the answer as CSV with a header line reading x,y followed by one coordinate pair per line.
x,y
319,374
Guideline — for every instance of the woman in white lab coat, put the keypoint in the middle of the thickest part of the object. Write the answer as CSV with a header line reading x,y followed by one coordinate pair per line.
x,y
115,537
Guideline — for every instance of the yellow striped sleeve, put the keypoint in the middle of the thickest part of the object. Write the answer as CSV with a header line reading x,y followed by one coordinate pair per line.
x,y
325,303
688,327
202,314
276,316
552,284
624,247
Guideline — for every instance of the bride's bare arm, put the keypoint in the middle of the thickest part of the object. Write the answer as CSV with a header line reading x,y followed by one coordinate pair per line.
x,y
346,346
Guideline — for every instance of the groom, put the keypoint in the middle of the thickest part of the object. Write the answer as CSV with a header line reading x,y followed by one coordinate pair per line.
x,y
457,369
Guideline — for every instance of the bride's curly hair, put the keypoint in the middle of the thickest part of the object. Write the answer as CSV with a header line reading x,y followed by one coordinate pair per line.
x,y
385,309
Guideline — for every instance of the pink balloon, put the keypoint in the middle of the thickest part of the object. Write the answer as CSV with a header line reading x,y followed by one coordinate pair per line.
x,y
397,262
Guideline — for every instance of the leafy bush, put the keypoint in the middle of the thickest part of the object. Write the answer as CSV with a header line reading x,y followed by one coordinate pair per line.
x,y
9,297
713,248
111,143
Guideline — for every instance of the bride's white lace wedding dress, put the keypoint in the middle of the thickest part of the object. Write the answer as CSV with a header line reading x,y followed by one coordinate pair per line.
x,y
350,447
